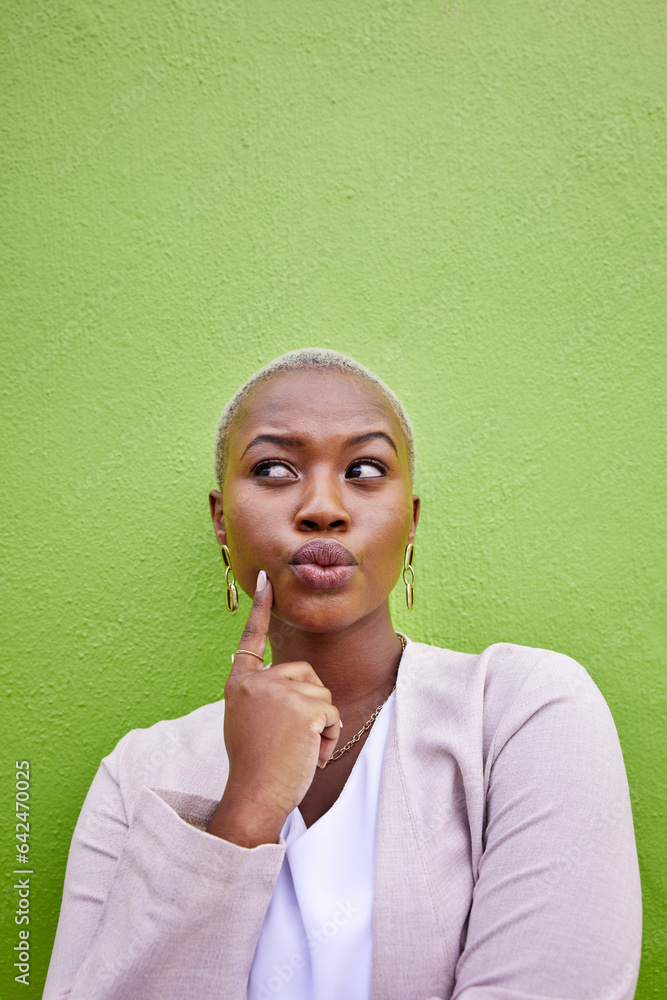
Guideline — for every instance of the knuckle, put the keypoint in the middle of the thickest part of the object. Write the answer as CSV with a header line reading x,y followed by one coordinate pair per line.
x,y
240,687
230,687
251,631
248,683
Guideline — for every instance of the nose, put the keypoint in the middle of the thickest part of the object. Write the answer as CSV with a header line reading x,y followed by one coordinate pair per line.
x,y
322,507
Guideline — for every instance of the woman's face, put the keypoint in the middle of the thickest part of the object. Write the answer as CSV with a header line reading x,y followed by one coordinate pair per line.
x,y
298,470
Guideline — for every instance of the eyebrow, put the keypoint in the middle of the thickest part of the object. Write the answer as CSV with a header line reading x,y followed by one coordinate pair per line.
x,y
293,442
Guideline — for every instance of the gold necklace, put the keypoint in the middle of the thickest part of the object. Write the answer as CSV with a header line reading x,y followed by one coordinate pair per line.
x,y
355,739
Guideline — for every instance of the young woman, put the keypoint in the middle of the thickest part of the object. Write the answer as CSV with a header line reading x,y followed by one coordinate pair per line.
x,y
378,818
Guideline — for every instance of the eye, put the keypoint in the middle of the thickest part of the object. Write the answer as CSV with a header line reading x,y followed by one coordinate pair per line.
x,y
377,469
266,470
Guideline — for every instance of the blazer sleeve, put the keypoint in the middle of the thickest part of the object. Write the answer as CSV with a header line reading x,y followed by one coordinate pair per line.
x,y
556,908
153,906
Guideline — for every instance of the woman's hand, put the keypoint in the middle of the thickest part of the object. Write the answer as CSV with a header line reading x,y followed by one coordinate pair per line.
x,y
279,725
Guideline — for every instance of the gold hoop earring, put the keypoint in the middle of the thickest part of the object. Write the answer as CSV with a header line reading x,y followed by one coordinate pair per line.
x,y
231,593
409,580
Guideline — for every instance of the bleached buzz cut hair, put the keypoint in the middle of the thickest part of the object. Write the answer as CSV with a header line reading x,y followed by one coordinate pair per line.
x,y
320,358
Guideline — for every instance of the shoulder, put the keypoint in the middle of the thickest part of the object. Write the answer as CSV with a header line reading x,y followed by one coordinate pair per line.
x,y
508,662
182,754
494,692
498,674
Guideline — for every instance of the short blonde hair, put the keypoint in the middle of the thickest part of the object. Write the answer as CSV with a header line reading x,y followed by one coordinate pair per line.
x,y
306,357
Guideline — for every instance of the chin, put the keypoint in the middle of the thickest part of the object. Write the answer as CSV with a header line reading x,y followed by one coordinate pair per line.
x,y
317,611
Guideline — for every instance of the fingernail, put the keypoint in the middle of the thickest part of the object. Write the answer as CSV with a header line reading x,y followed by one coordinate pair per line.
x,y
261,581
341,724
323,764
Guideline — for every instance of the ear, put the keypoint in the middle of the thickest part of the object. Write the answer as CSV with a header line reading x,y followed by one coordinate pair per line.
x,y
215,503
416,506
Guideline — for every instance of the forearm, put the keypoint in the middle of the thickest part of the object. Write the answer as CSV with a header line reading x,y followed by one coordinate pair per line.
x,y
181,918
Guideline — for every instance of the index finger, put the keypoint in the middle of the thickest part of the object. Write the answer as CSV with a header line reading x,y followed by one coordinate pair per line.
x,y
256,630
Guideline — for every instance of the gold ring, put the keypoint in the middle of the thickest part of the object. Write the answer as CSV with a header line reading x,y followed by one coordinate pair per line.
x,y
249,652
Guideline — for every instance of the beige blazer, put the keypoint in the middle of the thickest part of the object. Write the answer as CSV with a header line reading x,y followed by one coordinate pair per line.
x,y
505,864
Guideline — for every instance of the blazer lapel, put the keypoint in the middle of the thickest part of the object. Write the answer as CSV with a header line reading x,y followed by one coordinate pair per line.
x,y
423,878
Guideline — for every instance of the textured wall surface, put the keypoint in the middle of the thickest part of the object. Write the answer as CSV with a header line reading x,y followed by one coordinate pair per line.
x,y
469,197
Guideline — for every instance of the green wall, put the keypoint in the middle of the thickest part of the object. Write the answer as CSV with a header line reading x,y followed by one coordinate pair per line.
x,y
467,197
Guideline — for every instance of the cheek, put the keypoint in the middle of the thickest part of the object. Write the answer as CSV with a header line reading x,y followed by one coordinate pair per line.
x,y
253,527
390,529
240,522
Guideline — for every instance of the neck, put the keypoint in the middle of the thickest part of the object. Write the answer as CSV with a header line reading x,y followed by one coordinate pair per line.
x,y
358,664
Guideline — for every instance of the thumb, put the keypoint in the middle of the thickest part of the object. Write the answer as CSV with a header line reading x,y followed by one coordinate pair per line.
x,y
256,629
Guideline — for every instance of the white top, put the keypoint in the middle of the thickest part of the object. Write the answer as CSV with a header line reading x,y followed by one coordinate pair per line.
x,y
315,941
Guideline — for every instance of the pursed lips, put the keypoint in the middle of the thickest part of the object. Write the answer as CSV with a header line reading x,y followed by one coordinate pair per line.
x,y
323,564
